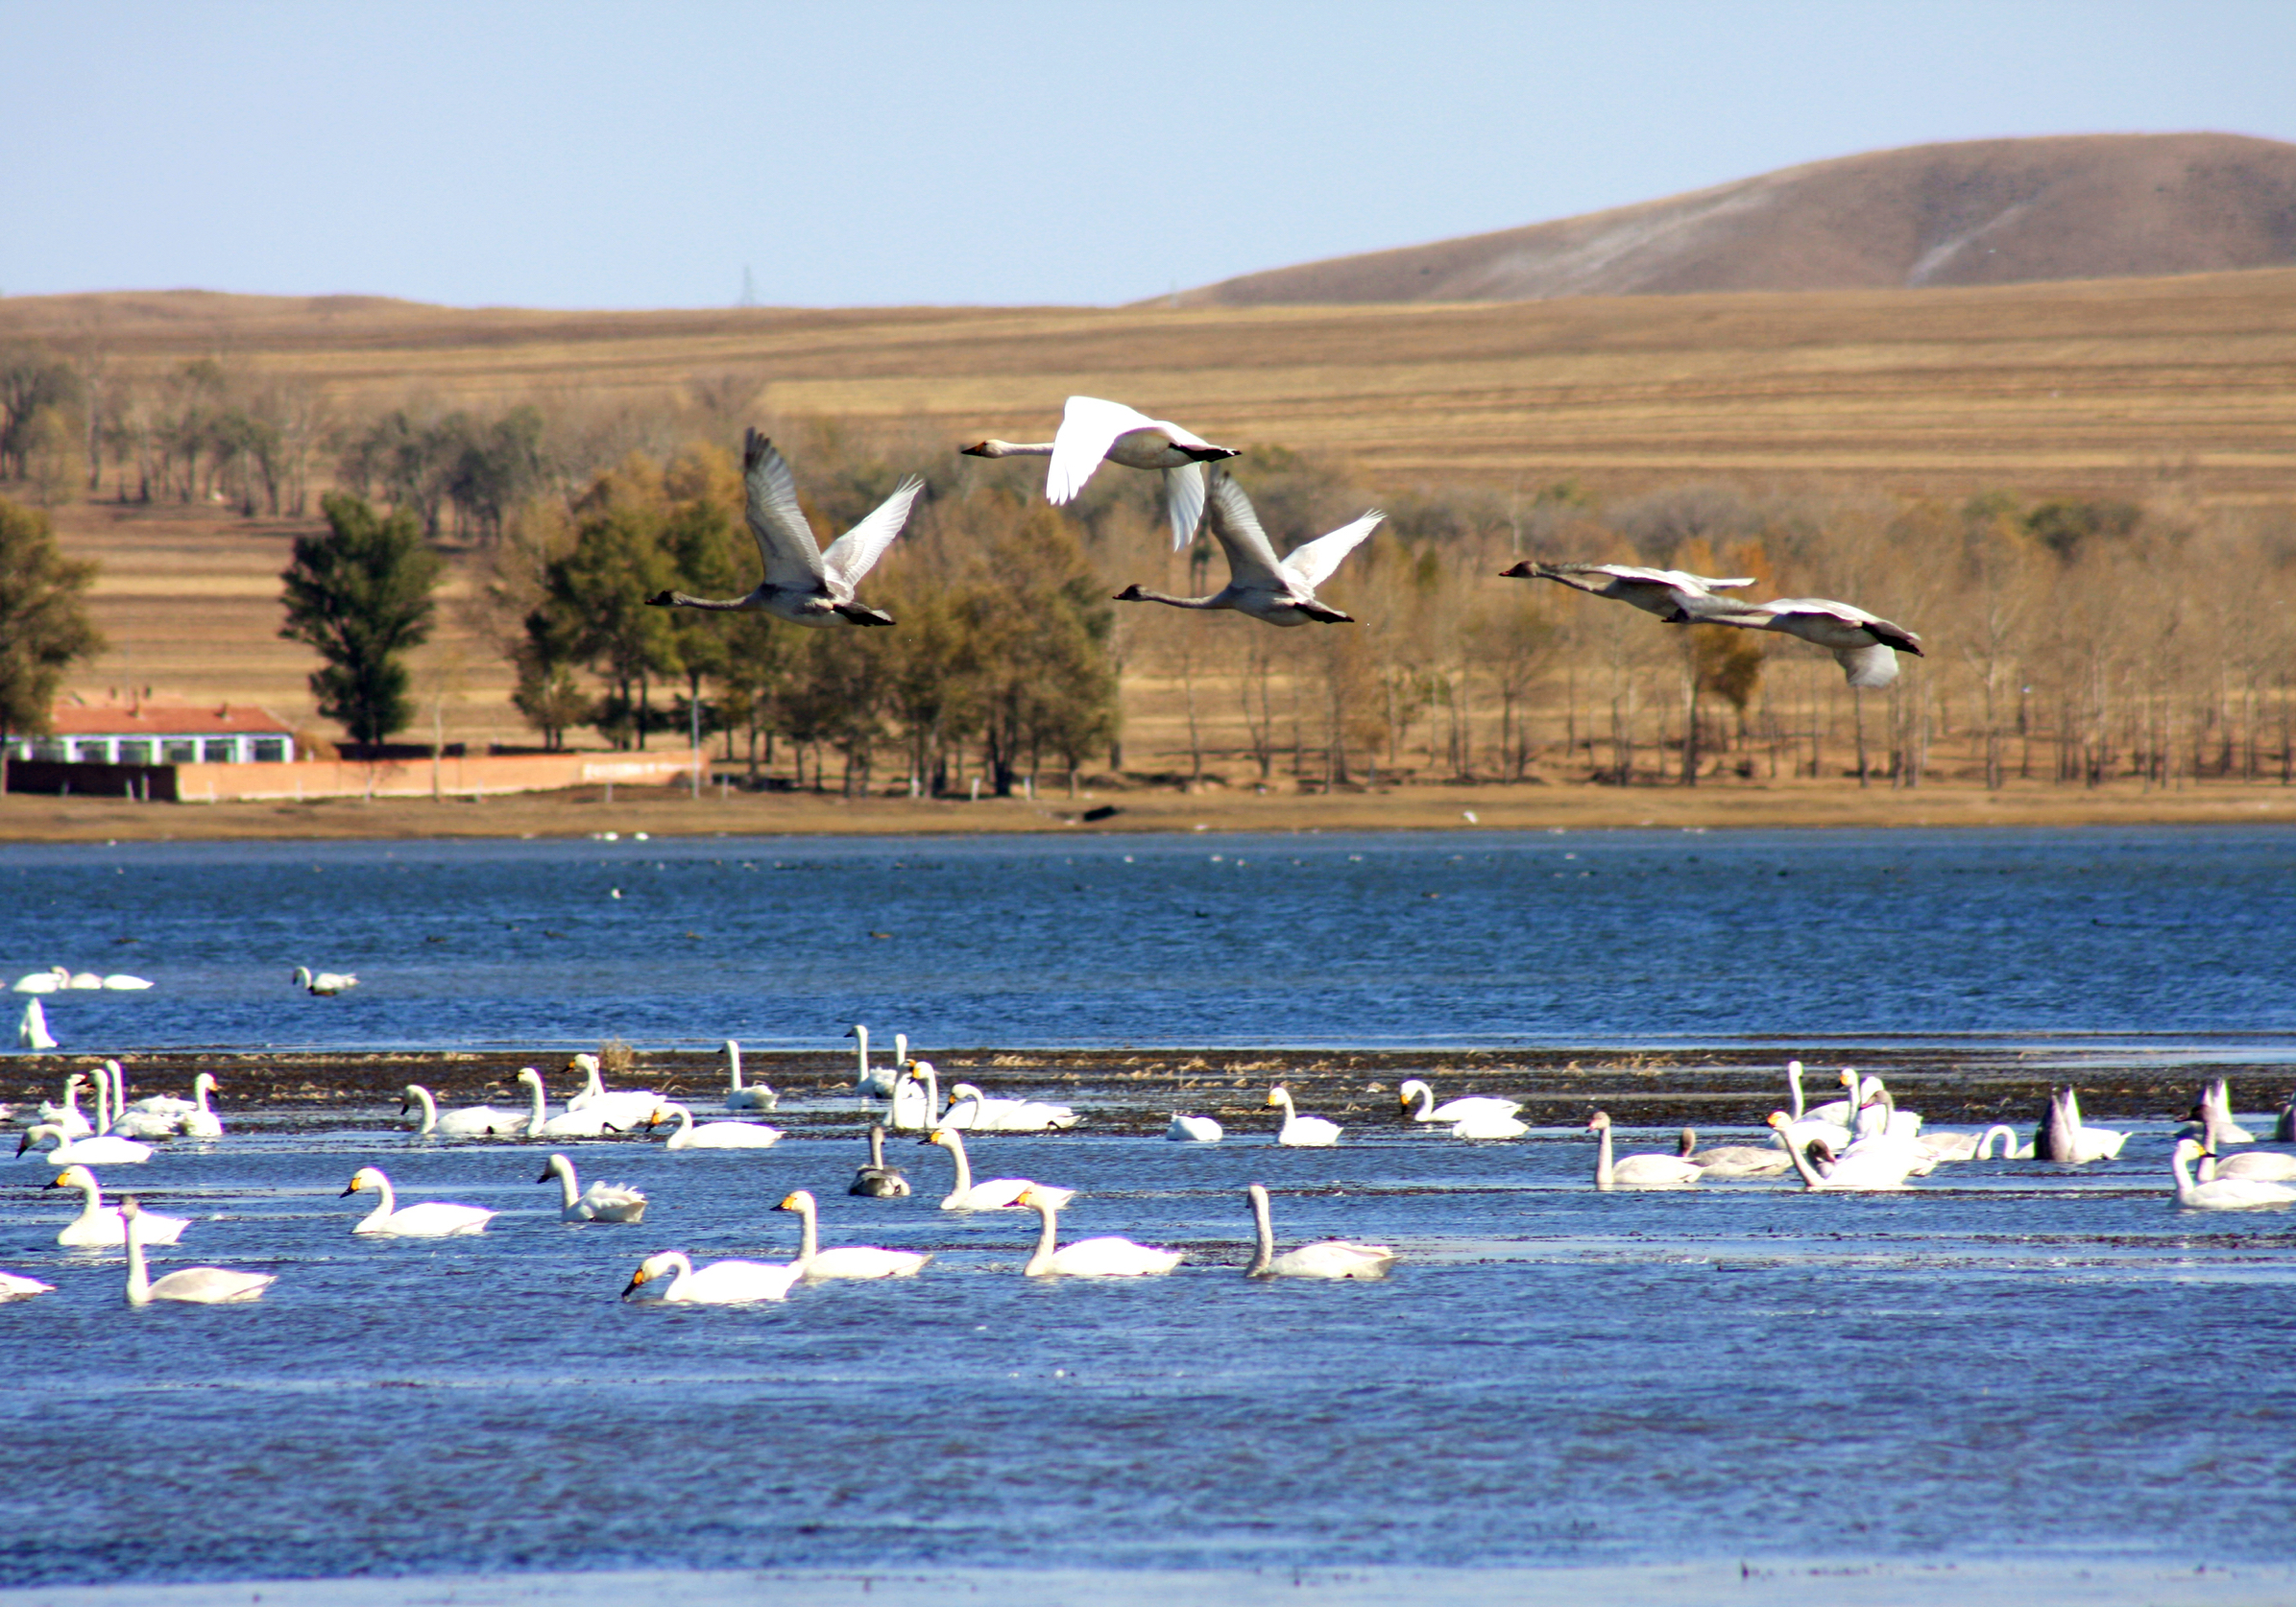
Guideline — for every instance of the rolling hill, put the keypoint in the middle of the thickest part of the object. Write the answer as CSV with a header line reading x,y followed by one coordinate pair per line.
x,y
1996,211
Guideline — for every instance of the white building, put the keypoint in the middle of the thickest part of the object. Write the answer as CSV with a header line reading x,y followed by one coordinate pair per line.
x,y
159,733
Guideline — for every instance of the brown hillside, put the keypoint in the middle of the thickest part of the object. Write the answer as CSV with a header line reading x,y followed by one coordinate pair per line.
x,y
1994,212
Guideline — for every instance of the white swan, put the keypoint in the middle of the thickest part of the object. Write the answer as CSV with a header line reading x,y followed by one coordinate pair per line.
x,y
622,1108
1735,1159
68,1116
1193,1130
600,1201
1301,1132
156,1118
715,1135
1864,645
1827,1123
976,1112
916,1097
1964,1146
32,1030
2217,1097
2013,1148
1093,431
1330,1258
86,981
194,1286
432,1219
471,1121
102,1149
739,1097
200,1123
16,1286
1636,1172
1416,1093
120,982
1675,595
539,1123
2225,1193
717,1283
997,1194
47,981
1879,1168
1877,1109
850,1260
802,583
2069,1142
99,1226
2264,1165
325,984
1274,590
875,1082
1087,1257
878,1181
1880,1128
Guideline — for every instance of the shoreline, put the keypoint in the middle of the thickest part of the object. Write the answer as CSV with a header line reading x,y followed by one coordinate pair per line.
x,y
27,818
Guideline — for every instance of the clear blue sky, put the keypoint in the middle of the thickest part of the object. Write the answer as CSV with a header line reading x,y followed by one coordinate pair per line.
x,y
578,155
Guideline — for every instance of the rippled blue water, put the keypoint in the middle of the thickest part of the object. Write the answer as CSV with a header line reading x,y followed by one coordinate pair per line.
x,y
2008,1360
1486,938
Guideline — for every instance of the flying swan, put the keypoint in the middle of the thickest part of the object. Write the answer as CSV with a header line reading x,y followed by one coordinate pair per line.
x,y
1093,431
1274,590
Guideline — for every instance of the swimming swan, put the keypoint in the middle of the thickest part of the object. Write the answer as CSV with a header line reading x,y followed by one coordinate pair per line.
x,y
16,1286
916,1097
194,1286
1093,432
739,1097
975,1112
715,1135
98,1226
326,984
2011,1148
802,583
432,1219
2225,1193
2264,1165
718,1283
1274,590
2223,1129
1417,1093
1193,1130
1087,1257
1636,1172
1298,1132
1734,1159
32,1030
997,1194
622,1108
2064,1139
875,1081
471,1121
102,1149
600,1201
68,1116
878,1181
593,1123
162,1116
851,1260
1879,1169
1330,1258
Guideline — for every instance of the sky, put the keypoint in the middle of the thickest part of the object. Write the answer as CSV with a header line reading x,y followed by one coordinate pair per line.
x,y
868,152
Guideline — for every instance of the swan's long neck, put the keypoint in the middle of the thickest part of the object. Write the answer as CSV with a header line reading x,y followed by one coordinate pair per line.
x,y
388,1204
808,1233
1011,449
597,1083
1802,1161
541,1107
91,1197
1141,594
1794,1087
680,1269
733,1065
200,1085
860,1054
964,1166
900,1050
877,1148
102,1101
1985,1141
1048,1239
564,1170
71,1098
2184,1179
1422,1101
933,1097
684,1132
1264,1255
139,1282
1602,1158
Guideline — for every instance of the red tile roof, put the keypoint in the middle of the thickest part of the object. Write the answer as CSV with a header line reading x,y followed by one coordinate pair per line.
x,y
165,719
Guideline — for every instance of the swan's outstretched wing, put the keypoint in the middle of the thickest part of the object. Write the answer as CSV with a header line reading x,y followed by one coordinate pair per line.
x,y
1088,427
1251,556
1835,624
1868,666
785,543
1184,498
854,554
1311,563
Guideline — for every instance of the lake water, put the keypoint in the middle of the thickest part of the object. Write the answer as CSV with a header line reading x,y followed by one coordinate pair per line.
x,y
2175,937
2007,1361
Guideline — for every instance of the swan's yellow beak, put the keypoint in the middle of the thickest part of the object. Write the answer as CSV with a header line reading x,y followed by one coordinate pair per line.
x,y
789,1203
636,1277
356,1186
1271,1098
